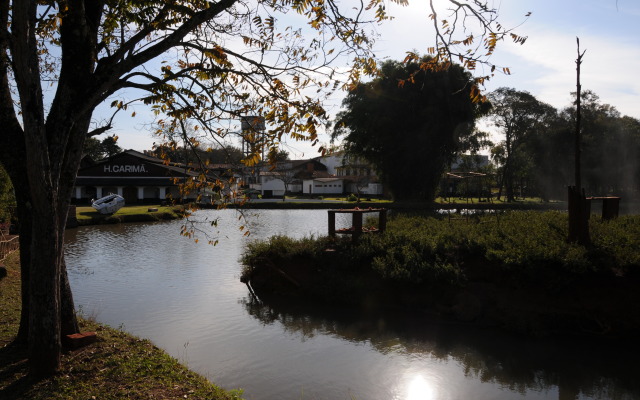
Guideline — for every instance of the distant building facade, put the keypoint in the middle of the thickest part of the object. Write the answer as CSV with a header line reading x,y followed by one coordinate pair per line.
x,y
137,177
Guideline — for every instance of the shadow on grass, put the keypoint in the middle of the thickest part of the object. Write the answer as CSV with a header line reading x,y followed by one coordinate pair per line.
x,y
15,382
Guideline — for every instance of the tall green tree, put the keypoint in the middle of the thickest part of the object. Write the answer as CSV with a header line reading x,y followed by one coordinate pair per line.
x,y
550,150
609,146
409,123
517,114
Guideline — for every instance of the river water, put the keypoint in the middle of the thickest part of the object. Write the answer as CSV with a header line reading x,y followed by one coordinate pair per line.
x,y
187,298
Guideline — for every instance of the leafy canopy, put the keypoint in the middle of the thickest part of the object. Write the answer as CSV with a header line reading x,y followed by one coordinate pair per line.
x,y
409,123
518,115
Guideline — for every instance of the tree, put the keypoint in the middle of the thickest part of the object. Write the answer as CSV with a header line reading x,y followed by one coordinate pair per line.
x,y
110,146
409,132
287,174
98,150
278,155
94,49
518,114
548,151
577,202
609,145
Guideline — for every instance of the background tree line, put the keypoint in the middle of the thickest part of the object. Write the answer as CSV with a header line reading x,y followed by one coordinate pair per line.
x,y
411,124
536,150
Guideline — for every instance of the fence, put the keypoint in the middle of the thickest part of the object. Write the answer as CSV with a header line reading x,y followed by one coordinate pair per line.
x,y
8,244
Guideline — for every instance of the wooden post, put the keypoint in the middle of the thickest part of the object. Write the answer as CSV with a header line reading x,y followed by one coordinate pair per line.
x,y
382,220
357,225
578,217
332,223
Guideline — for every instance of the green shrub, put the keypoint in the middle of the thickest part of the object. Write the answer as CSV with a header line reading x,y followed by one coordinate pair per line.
x,y
429,250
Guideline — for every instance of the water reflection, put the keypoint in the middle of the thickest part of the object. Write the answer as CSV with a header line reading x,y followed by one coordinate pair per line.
x,y
516,367
187,299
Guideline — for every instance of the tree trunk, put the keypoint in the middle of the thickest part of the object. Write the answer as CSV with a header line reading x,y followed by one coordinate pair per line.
x,y
44,295
68,319
578,212
509,190
15,164
24,219
578,217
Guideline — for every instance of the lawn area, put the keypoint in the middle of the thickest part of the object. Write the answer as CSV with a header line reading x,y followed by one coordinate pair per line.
x,y
87,215
117,366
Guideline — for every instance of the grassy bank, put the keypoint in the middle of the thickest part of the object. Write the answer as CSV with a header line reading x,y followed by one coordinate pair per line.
x,y
143,213
514,270
117,366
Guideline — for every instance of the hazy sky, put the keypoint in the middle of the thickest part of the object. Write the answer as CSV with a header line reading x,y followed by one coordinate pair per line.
x,y
609,31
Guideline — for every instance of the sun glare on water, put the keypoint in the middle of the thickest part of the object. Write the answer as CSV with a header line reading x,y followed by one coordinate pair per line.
x,y
420,389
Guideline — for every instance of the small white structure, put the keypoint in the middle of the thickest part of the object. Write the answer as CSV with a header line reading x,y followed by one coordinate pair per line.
x,y
323,186
271,185
108,204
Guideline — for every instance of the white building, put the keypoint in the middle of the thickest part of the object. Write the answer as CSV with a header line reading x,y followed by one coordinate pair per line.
x,y
322,186
287,176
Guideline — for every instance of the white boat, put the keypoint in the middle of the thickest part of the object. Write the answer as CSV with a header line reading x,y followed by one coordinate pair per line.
x,y
108,204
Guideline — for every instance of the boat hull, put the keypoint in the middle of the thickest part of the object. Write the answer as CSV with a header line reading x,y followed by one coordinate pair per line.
x,y
108,204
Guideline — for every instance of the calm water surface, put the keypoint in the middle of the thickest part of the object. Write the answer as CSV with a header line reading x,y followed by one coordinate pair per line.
x,y
187,298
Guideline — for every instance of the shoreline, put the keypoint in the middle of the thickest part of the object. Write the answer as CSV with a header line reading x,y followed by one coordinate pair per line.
x,y
86,216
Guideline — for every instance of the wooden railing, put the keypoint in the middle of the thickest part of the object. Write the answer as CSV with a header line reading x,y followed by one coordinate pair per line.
x,y
8,244
356,217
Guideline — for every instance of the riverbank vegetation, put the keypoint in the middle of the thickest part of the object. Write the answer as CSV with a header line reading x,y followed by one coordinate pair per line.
x,y
117,366
512,269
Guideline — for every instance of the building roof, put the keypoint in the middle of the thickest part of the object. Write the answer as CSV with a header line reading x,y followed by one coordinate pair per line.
x,y
124,181
326,180
134,168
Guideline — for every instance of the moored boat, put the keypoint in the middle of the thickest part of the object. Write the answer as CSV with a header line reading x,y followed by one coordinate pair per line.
x,y
108,204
